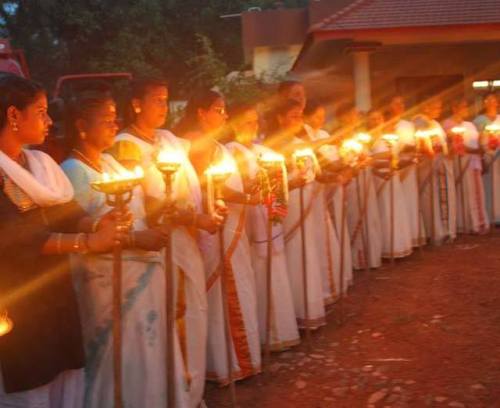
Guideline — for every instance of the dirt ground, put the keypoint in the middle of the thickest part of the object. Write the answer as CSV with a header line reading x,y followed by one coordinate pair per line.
x,y
423,333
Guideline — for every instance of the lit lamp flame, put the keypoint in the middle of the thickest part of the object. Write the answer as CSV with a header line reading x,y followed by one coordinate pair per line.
x,y
423,134
6,324
223,169
119,182
458,130
349,150
168,161
364,138
423,139
392,139
216,174
352,145
123,175
267,158
492,128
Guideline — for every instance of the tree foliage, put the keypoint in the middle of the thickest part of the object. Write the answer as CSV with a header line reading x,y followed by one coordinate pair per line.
x,y
178,39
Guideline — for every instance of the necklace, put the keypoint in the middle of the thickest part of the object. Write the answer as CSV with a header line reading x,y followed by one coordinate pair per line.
x,y
86,160
138,132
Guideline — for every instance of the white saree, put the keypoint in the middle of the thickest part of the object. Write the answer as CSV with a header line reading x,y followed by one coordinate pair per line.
x,y
472,216
284,331
314,257
439,204
396,243
491,176
191,303
328,232
241,294
364,224
409,182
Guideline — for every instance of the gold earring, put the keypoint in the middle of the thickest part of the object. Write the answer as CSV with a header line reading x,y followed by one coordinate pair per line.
x,y
14,127
137,110
83,135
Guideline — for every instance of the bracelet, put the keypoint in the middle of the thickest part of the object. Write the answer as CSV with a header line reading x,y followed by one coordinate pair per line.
x,y
248,198
95,224
58,243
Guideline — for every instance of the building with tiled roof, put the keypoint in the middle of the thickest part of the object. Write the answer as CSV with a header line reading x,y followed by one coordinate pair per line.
x,y
371,49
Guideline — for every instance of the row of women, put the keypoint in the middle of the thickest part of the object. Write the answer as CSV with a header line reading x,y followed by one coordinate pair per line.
x,y
334,215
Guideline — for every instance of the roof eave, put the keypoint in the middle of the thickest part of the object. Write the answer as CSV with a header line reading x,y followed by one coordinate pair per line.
x,y
324,35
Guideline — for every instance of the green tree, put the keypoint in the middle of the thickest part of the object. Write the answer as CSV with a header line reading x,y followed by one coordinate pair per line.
x,y
160,37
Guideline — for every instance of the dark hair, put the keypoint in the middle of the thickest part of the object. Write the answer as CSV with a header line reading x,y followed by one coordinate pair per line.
x,y
139,88
457,101
286,106
201,100
285,86
312,106
281,109
18,92
83,107
238,109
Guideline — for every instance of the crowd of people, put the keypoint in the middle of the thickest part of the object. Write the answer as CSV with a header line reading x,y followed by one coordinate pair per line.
x,y
375,187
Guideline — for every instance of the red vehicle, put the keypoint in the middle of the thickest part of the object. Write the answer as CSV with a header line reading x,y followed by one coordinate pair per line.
x,y
12,60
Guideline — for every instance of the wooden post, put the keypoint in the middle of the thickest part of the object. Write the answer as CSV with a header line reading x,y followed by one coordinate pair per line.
x,y
225,305
462,193
269,282
362,207
431,186
342,255
117,314
170,298
391,191
305,285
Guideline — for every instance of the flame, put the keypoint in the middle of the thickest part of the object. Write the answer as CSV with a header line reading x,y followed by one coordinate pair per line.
x,y
424,134
222,168
301,153
5,324
363,137
458,130
169,157
123,175
351,145
492,128
271,157
390,138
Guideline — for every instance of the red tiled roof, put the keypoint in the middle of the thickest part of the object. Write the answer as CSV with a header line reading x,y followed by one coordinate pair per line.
x,y
379,14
